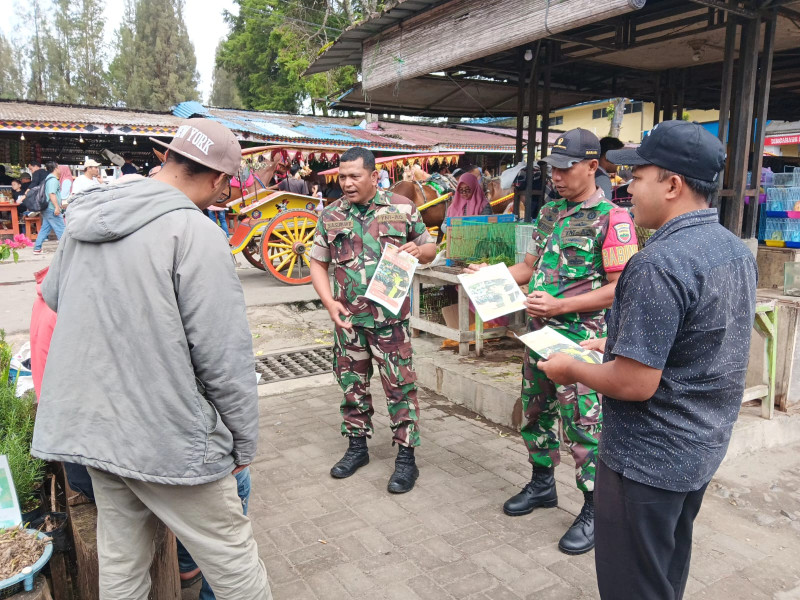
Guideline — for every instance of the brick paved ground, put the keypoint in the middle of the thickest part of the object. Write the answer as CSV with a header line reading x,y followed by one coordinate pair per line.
x,y
330,539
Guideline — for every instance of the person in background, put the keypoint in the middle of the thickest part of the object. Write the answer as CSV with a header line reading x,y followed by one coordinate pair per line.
x,y
293,183
606,169
128,168
65,180
16,189
38,174
52,219
217,215
469,199
4,179
16,194
89,179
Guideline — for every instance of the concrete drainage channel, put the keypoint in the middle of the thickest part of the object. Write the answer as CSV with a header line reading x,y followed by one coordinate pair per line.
x,y
281,366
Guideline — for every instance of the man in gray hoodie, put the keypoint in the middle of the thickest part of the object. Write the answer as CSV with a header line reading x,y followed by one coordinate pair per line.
x,y
142,386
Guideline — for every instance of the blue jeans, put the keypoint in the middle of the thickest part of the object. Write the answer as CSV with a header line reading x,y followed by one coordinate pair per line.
x,y
50,222
218,216
186,562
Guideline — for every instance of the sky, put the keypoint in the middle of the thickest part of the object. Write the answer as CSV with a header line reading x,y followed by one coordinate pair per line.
x,y
204,22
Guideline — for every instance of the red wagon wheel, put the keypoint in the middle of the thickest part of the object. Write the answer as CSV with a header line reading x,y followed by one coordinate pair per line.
x,y
286,246
252,252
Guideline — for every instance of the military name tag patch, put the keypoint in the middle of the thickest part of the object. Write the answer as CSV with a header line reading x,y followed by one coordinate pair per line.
x,y
623,231
579,232
391,218
335,225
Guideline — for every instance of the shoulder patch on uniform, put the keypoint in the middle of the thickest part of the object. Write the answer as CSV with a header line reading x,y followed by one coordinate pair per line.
x,y
623,231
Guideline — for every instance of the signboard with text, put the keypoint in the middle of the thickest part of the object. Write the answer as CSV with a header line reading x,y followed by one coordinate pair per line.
x,y
782,140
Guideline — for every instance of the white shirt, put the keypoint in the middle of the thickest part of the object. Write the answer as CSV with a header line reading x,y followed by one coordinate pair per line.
x,y
83,183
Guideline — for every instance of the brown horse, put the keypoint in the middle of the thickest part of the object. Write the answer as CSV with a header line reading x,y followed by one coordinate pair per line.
x,y
496,192
422,194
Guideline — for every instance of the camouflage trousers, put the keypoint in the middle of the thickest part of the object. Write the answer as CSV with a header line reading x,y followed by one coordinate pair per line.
x,y
581,416
390,347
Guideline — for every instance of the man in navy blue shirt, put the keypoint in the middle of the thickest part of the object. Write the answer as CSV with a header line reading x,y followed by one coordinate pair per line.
x,y
674,365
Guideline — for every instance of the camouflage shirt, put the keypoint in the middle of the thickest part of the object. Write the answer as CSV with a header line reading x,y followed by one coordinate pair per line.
x,y
574,250
353,242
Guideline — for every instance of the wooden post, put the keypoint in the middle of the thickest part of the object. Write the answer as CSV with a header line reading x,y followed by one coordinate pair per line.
x,y
657,100
520,121
546,108
725,104
532,112
165,582
463,320
416,298
520,108
764,78
742,129
680,106
667,100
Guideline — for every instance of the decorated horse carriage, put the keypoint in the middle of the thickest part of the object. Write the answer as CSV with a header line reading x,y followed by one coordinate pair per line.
x,y
273,229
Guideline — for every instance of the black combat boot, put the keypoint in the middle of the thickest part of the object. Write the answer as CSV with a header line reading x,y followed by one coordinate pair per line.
x,y
580,537
405,471
541,491
356,457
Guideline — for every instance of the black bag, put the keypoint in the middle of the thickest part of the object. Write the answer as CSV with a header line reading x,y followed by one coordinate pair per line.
x,y
36,199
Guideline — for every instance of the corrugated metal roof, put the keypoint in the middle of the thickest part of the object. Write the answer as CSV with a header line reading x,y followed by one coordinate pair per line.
x,y
272,127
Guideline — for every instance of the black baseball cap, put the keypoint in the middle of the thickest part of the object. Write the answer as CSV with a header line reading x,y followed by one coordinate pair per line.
x,y
682,147
572,147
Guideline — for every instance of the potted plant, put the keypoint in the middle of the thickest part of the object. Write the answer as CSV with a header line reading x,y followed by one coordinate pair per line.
x,y
17,415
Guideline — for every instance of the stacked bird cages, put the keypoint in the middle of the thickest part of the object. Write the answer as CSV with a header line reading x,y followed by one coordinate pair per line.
x,y
780,223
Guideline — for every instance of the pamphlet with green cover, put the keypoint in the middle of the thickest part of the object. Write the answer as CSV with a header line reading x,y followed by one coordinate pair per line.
x,y
10,515
547,341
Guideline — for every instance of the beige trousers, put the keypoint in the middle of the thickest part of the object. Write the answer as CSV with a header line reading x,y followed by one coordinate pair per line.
x,y
208,520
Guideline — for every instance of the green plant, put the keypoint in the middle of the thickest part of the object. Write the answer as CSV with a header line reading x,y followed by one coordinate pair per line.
x,y
17,416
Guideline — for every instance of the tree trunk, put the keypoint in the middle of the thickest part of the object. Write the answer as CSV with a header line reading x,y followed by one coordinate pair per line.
x,y
616,121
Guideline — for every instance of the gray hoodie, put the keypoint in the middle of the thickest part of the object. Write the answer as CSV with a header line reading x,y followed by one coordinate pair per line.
x,y
150,313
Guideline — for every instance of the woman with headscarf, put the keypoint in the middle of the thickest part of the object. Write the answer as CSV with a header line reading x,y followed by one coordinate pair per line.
x,y
65,180
469,199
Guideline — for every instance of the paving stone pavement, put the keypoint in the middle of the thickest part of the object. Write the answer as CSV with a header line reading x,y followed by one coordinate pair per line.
x,y
323,538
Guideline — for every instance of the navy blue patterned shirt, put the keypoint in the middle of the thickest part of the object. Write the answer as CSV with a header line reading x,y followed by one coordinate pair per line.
x,y
685,304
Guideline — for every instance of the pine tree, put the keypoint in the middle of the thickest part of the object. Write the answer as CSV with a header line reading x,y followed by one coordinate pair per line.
x,y
12,83
38,82
223,87
88,52
58,50
120,71
165,66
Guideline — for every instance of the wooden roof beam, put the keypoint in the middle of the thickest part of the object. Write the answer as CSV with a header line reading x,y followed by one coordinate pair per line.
x,y
733,9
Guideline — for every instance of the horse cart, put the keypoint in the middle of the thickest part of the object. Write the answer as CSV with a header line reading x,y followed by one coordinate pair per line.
x,y
273,229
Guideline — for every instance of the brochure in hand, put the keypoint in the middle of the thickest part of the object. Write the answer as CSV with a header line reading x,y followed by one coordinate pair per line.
x,y
391,282
547,341
493,291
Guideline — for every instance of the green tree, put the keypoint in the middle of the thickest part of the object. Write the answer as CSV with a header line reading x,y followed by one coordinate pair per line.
x,y
223,87
58,50
38,88
164,66
12,82
120,71
272,42
88,51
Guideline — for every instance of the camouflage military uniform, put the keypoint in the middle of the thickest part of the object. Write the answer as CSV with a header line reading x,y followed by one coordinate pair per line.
x,y
574,250
353,241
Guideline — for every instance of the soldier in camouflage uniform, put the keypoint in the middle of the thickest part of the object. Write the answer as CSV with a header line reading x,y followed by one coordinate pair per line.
x,y
351,234
579,247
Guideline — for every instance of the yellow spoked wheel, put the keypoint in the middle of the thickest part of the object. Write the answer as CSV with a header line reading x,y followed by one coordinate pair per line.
x,y
286,246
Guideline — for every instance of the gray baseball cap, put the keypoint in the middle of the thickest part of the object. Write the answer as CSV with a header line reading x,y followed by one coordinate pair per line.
x,y
208,143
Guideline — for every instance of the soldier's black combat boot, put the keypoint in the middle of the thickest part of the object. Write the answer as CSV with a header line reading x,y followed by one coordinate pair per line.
x,y
405,471
541,491
356,457
580,537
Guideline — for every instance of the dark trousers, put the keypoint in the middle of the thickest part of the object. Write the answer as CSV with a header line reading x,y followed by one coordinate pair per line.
x,y
643,538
